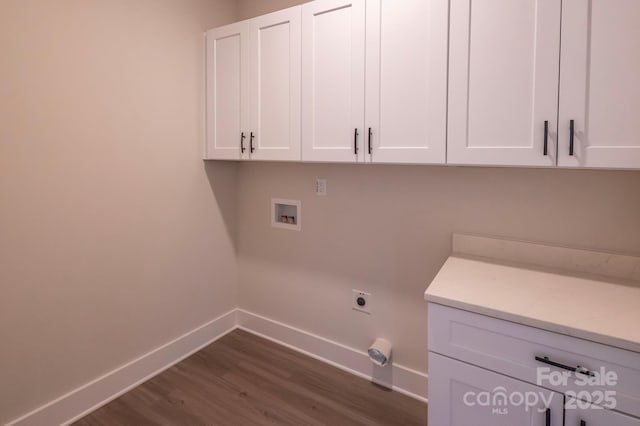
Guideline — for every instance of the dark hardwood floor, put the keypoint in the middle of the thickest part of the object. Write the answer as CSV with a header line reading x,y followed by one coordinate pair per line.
x,y
245,380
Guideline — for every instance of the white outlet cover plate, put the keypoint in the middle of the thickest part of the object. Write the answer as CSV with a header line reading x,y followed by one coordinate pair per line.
x,y
367,297
321,187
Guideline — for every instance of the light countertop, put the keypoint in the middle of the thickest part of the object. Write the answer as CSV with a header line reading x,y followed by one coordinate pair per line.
x,y
590,308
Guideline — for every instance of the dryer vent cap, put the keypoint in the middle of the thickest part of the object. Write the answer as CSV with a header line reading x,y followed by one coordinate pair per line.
x,y
380,352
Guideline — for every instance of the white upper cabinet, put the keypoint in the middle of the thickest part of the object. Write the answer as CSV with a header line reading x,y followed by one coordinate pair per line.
x,y
487,82
503,82
227,73
253,88
274,85
600,84
389,107
333,55
406,81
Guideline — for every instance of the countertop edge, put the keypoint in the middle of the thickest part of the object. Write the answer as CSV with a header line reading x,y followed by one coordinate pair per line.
x,y
536,323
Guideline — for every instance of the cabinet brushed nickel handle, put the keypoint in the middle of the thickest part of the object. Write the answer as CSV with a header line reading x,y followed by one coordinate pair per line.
x,y
251,148
578,369
547,416
355,141
546,137
370,147
242,138
571,132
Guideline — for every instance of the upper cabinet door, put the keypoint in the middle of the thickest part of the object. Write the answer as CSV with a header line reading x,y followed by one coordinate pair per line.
x,y
599,89
227,95
503,82
333,34
406,94
274,85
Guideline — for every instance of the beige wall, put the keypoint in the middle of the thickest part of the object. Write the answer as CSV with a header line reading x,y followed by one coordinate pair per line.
x,y
387,230
114,239
251,8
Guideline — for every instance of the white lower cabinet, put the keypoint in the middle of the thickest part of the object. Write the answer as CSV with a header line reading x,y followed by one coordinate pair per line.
x,y
592,415
461,394
485,371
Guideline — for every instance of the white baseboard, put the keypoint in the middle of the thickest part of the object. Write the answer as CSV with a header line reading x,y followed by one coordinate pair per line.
x,y
91,396
397,377
83,400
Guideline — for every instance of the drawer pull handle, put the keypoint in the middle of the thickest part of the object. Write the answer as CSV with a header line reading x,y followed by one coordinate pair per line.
x,y
355,141
547,416
578,369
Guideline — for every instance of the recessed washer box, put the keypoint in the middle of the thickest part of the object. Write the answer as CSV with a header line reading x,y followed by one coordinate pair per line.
x,y
286,214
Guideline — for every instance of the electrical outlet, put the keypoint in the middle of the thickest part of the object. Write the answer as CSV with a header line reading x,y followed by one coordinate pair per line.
x,y
361,301
321,187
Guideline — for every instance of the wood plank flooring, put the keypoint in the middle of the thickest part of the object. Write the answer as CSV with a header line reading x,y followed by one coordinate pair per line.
x,y
245,380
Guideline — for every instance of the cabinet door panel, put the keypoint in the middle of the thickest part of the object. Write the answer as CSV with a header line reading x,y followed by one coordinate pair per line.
x,y
406,80
227,66
457,397
592,415
503,81
332,79
599,90
275,85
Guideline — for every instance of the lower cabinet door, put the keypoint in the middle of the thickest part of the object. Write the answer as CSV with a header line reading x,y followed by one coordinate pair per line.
x,y
578,413
461,394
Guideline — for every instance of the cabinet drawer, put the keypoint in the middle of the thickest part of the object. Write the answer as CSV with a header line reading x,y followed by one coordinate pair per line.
x,y
511,349
590,415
